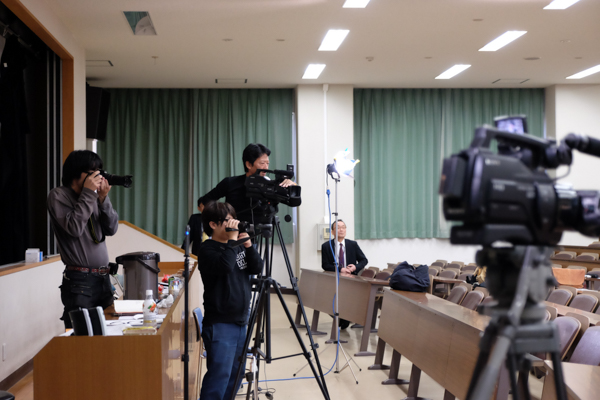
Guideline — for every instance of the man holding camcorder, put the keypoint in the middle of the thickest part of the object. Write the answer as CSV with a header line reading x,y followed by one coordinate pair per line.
x,y
255,157
82,216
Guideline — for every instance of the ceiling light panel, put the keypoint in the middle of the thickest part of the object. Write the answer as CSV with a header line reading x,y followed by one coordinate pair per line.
x,y
313,71
355,3
453,71
587,72
502,40
560,4
333,39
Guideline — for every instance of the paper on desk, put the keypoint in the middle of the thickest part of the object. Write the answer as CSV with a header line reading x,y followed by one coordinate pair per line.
x,y
128,306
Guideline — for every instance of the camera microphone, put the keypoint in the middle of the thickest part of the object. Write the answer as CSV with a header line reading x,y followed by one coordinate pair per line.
x,y
584,144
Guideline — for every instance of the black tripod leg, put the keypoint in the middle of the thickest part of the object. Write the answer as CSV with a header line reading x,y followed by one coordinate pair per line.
x,y
561,390
485,347
251,323
319,377
511,364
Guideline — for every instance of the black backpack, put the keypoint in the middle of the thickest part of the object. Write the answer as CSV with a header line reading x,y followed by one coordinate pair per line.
x,y
406,277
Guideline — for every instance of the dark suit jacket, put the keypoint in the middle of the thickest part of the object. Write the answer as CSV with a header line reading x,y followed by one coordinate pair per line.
x,y
353,255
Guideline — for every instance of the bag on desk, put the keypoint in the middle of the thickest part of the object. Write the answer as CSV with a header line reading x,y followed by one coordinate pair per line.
x,y
405,277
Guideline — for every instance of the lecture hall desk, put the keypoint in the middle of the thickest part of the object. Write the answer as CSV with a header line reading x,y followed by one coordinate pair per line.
x,y
583,382
122,367
439,337
356,302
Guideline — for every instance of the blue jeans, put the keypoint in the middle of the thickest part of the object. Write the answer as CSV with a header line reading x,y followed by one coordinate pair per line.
x,y
224,344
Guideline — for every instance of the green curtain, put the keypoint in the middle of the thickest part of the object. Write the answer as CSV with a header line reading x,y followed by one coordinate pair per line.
x,y
401,137
167,138
226,121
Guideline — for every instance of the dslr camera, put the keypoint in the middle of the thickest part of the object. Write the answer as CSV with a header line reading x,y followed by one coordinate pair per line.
x,y
116,180
506,195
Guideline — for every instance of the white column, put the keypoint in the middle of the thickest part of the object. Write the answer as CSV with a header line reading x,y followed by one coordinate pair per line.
x,y
318,142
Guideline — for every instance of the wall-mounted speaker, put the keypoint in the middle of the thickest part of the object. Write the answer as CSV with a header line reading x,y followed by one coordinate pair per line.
x,y
97,104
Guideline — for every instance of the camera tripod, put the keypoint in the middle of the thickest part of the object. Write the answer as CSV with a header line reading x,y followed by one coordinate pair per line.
x,y
260,317
519,279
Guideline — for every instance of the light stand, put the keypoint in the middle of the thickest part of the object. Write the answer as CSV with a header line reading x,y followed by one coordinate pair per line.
x,y
185,357
332,171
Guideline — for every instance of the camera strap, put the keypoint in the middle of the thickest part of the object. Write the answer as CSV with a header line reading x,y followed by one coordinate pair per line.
x,y
90,225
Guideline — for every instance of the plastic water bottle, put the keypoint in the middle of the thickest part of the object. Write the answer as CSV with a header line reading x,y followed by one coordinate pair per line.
x,y
149,310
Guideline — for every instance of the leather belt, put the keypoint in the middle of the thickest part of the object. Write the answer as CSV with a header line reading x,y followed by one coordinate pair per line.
x,y
98,271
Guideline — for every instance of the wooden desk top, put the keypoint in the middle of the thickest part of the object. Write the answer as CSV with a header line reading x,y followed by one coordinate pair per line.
x,y
446,309
563,310
583,382
439,337
372,281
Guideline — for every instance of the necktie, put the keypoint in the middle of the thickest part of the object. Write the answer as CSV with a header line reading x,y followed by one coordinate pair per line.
x,y
342,261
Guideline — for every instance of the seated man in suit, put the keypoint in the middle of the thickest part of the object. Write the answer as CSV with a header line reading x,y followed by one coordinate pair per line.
x,y
351,257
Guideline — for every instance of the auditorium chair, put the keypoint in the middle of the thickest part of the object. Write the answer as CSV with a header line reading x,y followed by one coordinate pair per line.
x,y
565,255
460,263
587,257
483,290
469,269
587,350
553,312
447,273
463,277
472,300
453,265
584,302
595,244
367,273
487,300
433,271
457,294
383,275
560,296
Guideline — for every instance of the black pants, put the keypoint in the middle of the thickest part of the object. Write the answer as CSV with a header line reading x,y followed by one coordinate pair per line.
x,y
84,290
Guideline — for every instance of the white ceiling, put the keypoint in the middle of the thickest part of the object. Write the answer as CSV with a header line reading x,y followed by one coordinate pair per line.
x,y
411,42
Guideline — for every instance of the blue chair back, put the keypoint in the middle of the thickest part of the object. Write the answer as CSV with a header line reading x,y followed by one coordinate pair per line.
x,y
198,318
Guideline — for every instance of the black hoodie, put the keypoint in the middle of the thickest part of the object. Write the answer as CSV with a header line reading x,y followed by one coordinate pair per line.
x,y
225,273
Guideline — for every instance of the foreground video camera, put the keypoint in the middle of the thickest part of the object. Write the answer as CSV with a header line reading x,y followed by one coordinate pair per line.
x,y
116,180
507,196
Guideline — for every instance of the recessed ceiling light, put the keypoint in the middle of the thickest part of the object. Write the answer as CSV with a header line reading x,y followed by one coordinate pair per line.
x,y
531,58
502,40
587,72
333,39
560,4
453,71
313,71
355,3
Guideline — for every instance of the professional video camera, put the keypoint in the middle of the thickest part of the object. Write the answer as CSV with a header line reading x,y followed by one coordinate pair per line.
x,y
116,180
263,188
507,196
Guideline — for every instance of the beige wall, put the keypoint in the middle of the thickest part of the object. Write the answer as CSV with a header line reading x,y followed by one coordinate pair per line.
x,y
577,110
30,308
47,16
